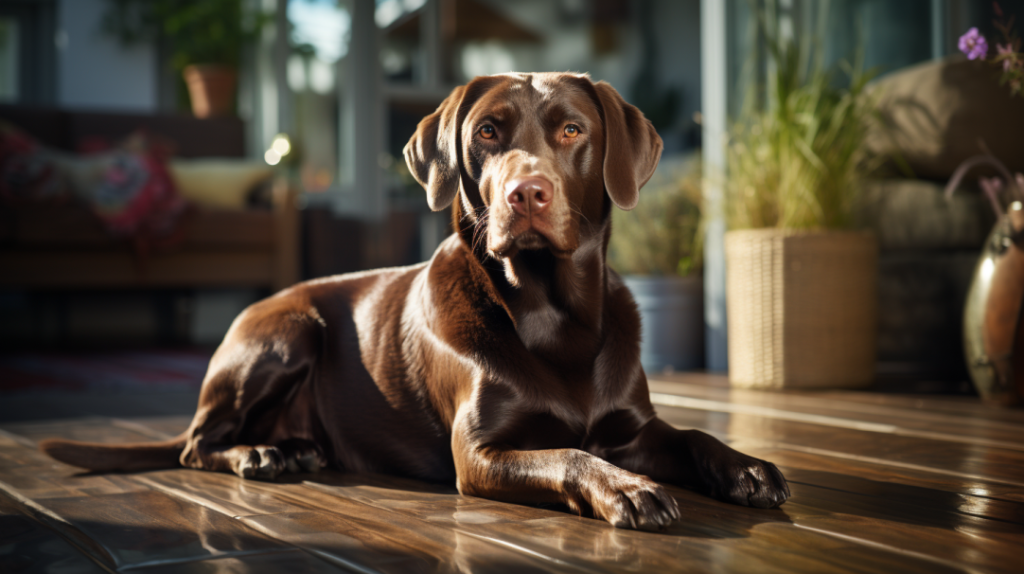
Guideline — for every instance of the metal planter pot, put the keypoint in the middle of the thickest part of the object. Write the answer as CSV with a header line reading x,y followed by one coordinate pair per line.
x,y
672,312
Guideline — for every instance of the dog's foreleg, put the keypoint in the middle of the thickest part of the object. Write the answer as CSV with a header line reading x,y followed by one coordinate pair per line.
x,y
580,480
697,460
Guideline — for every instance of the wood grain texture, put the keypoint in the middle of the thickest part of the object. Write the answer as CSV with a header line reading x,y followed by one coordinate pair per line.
x,y
879,483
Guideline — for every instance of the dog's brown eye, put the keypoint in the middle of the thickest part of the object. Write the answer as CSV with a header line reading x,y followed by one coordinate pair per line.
x,y
571,131
487,132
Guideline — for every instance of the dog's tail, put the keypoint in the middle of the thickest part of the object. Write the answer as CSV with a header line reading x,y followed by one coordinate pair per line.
x,y
99,457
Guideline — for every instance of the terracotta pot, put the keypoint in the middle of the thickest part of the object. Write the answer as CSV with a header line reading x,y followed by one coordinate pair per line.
x,y
211,87
802,308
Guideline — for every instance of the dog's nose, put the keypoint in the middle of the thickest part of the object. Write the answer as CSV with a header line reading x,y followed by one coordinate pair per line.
x,y
529,195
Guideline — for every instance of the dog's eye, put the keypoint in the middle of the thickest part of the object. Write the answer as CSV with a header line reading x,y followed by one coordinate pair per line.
x,y
571,131
487,132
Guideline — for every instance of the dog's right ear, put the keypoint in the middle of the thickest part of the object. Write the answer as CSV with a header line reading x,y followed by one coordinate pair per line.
x,y
433,152
632,147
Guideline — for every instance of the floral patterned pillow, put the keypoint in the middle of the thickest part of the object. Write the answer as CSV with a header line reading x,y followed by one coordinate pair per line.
x,y
128,187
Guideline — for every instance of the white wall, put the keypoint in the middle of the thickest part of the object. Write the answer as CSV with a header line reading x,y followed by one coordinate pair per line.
x,y
93,70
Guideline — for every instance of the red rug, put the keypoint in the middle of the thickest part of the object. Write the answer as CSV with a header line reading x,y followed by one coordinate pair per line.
x,y
126,371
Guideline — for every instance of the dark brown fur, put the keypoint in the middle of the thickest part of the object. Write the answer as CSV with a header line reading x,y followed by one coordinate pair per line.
x,y
509,363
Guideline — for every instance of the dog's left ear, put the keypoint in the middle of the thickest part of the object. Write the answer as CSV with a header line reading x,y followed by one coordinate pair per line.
x,y
632,147
432,152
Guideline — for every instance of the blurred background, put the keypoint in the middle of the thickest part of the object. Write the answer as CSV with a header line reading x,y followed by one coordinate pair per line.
x,y
170,162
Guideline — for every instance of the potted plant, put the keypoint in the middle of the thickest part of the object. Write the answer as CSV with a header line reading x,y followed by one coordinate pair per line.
x,y
657,247
800,284
205,37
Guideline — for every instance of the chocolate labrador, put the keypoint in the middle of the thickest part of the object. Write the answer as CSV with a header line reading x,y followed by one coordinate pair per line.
x,y
509,363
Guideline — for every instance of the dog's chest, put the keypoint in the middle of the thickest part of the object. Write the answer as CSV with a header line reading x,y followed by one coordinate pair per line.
x,y
573,410
539,431
553,335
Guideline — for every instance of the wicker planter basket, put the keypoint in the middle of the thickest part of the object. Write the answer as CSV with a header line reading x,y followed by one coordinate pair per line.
x,y
802,308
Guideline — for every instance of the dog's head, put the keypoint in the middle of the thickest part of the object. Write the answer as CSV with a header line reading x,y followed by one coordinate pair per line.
x,y
534,157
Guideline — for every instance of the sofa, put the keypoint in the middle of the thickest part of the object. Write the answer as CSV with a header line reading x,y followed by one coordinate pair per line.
x,y
63,246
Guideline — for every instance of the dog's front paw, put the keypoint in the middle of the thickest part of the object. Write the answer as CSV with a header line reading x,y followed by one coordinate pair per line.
x,y
624,499
260,462
750,481
732,476
302,455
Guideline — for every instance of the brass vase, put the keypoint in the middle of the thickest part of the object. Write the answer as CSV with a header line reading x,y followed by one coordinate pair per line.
x,y
993,330
993,333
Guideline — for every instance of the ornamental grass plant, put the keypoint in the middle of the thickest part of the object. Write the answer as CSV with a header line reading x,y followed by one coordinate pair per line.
x,y
797,161
662,236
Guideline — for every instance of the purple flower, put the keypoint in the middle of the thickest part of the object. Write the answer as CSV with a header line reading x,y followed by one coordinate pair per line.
x,y
1007,51
974,45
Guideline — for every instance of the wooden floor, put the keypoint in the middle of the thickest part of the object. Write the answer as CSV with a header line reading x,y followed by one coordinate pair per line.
x,y
879,482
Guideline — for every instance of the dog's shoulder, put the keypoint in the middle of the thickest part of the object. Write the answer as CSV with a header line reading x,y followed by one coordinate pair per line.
x,y
458,282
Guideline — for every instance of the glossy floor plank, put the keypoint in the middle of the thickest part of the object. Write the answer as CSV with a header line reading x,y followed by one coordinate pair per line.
x,y
145,528
290,562
842,414
997,464
880,484
28,546
906,405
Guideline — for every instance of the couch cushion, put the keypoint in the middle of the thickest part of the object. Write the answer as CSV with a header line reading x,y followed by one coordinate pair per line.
x,y
914,214
943,112
219,183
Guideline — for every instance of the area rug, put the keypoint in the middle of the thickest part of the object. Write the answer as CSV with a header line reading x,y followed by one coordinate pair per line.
x,y
159,370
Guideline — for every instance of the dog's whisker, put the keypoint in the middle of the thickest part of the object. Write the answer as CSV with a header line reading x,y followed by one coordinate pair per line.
x,y
579,212
480,228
